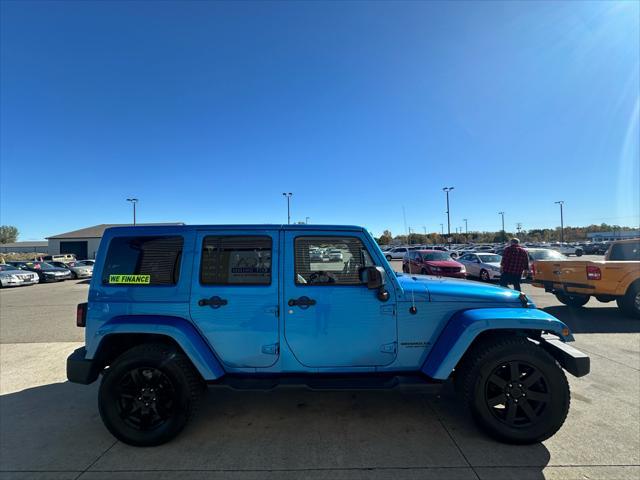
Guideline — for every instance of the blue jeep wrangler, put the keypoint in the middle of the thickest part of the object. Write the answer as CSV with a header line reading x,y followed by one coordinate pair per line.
x,y
174,308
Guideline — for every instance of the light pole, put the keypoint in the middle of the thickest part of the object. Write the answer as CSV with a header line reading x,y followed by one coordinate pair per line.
x,y
504,234
133,201
561,203
288,195
442,229
447,190
306,220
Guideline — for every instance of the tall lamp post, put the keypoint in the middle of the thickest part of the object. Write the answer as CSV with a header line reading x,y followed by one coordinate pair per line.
x,y
561,203
466,230
504,234
133,201
447,190
288,195
442,228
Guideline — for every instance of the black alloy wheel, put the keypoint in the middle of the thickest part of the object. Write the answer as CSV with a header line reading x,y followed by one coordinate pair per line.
x,y
517,393
145,398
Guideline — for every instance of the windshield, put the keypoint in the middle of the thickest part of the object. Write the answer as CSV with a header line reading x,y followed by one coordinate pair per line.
x,y
490,258
625,251
4,268
546,255
44,266
435,256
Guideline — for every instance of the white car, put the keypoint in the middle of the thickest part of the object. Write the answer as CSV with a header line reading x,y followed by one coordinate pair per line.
x,y
11,276
567,249
485,266
396,253
334,255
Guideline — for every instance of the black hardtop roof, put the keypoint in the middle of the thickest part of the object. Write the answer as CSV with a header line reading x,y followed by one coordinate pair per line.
x,y
141,229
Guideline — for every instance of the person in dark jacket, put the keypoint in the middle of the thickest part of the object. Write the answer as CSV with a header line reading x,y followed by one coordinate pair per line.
x,y
515,261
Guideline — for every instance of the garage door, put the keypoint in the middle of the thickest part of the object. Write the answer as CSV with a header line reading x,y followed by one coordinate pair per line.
x,y
79,249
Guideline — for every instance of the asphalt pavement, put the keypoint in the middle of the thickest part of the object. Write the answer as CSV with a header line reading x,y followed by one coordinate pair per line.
x,y
50,429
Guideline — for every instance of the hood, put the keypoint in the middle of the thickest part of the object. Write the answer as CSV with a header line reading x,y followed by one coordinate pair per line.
x,y
443,289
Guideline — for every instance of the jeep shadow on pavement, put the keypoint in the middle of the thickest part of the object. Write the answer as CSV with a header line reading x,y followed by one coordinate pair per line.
x,y
174,308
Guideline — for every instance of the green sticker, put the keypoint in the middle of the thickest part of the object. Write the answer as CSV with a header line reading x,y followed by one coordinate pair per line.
x,y
130,279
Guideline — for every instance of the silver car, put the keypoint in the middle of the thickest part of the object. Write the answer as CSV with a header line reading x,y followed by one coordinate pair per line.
x,y
11,276
396,253
79,269
485,266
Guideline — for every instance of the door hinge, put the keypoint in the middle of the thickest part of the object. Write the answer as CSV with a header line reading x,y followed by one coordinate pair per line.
x,y
389,347
272,349
388,309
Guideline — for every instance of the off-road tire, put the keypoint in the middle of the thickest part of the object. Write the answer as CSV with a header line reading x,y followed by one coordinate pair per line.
x,y
184,384
630,303
572,300
472,382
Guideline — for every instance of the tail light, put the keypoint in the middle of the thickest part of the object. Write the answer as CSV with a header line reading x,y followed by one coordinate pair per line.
x,y
533,269
81,315
593,272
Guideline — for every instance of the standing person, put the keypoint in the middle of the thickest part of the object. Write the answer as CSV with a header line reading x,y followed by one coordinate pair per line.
x,y
515,260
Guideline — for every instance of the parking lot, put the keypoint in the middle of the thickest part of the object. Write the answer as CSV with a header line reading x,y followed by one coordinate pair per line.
x,y
51,429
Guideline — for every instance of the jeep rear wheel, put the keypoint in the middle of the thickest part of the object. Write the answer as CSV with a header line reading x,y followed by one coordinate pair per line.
x,y
515,390
572,299
149,393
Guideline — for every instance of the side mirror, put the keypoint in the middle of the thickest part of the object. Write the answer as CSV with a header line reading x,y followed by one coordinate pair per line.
x,y
372,276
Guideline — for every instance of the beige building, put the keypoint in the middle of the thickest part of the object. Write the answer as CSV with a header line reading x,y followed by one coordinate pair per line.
x,y
84,243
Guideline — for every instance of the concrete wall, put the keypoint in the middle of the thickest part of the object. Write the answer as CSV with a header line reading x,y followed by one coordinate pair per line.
x,y
4,249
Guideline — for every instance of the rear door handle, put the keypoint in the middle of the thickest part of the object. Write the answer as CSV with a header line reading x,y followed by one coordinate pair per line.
x,y
302,302
213,302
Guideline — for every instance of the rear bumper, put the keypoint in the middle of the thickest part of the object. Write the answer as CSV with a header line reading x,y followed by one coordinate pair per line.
x,y
572,360
80,369
566,287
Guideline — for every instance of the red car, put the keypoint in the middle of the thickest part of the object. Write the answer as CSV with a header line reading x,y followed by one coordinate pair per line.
x,y
432,262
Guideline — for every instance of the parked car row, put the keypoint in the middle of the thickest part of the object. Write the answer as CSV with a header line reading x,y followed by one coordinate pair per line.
x,y
30,272
477,264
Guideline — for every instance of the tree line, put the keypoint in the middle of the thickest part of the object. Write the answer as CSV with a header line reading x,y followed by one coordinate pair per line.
x,y
571,234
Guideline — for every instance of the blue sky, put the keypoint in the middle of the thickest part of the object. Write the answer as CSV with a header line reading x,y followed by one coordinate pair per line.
x,y
209,111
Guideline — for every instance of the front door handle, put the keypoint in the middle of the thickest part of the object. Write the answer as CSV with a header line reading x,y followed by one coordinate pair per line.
x,y
302,302
213,302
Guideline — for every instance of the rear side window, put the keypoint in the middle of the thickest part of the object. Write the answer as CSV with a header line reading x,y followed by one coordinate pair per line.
x,y
143,261
236,260
339,264
625,251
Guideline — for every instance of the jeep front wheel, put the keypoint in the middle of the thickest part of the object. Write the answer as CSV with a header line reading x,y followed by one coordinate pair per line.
x,y
149,393
515,390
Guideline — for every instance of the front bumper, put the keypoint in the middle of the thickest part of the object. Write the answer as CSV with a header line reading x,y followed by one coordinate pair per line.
x,y
80,369
452,275
572,360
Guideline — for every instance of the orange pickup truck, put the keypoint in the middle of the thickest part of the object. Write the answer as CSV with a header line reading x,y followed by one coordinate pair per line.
x,y
617,277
